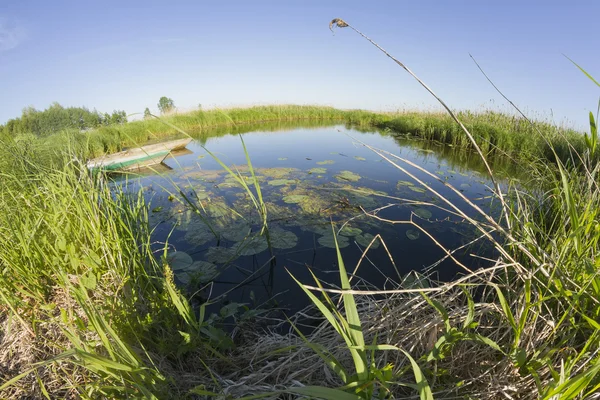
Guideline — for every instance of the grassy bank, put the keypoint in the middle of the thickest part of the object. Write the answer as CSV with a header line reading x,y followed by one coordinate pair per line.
x,y
89,309
495,133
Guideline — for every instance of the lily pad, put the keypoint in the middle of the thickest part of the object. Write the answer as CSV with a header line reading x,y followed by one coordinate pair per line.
x,y
178,260
423,213
197,233
326,162
318,227
201,195
203,271
359,158
281,182
347,176
415,280
205,175
329,241
369,191
417,189
412,234
235,232
365,239
350,231
317,170
276,173
404,183
254,245
217,209
282,239
295,198
441,173
220,255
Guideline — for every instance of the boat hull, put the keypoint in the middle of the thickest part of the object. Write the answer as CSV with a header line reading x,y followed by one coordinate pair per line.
x,y
137,157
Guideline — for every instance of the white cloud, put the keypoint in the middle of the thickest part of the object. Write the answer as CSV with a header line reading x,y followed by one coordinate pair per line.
x,y
11,34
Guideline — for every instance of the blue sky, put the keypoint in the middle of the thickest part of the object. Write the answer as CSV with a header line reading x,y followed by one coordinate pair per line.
x,y
127,54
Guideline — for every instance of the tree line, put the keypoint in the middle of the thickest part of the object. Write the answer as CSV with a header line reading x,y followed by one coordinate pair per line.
x,y
57,118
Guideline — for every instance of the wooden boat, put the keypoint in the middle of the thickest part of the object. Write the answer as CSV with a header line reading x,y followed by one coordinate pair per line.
x,y
137,157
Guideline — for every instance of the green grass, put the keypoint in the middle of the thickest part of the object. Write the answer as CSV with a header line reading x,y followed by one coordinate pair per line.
x,y
93,307
495,133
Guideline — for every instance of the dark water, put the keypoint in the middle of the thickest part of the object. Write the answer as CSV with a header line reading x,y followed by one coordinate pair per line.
x,y
309,178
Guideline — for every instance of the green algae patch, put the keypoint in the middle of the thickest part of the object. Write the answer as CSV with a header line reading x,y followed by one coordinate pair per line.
x,y
404,183
359,158
347,176
282,182
203,175
317,170
326,162
276,173
417,189
295,198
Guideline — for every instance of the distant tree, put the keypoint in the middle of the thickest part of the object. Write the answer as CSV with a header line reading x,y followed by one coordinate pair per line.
x,y
147,114
118,117
165,104
106,119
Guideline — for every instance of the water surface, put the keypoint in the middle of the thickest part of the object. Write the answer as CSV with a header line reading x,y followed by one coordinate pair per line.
x,y
310,178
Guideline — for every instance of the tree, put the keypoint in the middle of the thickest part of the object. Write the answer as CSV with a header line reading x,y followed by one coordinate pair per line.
x,y
147,114
165,104
118,117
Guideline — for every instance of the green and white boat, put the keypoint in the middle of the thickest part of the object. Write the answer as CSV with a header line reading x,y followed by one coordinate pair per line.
x,y
137,157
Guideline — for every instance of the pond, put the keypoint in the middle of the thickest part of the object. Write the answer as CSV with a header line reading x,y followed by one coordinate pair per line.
x,y
310,179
